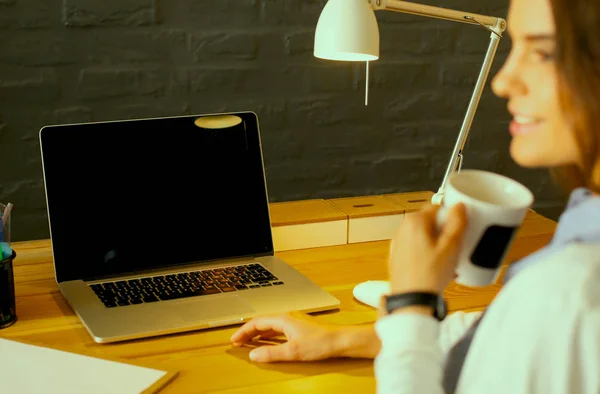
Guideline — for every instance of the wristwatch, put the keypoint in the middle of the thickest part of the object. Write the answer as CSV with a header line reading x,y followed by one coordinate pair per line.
x,y
394,302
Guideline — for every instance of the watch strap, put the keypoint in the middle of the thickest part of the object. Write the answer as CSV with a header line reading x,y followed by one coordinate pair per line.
x,y
398,301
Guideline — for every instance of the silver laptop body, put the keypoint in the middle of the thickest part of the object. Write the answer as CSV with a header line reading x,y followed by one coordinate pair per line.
x,y
162,226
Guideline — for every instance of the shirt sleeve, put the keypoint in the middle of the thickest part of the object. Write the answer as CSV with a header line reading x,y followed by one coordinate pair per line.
x,y
413,347
454,327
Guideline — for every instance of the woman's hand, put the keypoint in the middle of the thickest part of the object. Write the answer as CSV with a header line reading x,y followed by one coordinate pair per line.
x,y
423,259
307,339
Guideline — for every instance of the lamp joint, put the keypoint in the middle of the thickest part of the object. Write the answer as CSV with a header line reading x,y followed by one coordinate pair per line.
x,y
378,4
497,29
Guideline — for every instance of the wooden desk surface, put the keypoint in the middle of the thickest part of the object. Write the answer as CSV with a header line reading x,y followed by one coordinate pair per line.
x,y
205,360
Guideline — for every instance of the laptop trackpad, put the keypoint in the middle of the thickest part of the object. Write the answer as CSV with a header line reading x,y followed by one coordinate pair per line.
x,y
216,309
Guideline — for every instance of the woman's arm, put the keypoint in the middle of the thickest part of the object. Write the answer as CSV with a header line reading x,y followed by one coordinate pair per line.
x,y
308,339
363,342
410,360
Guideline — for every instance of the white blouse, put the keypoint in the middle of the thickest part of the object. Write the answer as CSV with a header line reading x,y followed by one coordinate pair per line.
x,y
541,335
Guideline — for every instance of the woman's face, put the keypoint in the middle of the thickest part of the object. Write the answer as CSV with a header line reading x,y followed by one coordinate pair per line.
x,y
541,136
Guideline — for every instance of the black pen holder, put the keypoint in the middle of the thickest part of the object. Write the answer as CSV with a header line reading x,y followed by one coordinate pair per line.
x,y
8,313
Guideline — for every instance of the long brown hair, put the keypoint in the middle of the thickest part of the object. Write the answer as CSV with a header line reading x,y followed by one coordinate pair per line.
x,y
578,64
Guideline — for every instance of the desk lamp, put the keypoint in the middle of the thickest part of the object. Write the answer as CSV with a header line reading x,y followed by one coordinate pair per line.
x,y
347,30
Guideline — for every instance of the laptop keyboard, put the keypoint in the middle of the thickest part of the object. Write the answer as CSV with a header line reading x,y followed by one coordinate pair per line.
x,y
183,285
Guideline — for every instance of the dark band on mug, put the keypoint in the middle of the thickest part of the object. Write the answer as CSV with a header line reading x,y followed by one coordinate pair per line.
x,y
492,246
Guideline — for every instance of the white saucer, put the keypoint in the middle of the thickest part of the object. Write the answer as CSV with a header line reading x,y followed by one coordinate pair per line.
x,y
371,291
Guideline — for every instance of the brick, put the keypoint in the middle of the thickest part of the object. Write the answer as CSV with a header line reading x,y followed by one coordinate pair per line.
x,y
474,40
271,48
324,112
346,141
530,178
483,131
298,176
222,80
20,129
397,42
379,171
492,108
238,14
425,104
223,45
464,73
281,146
168,45
29,226
30,14
460,73
327,77
142,111
78,13
300,42
28,192
102,83
35,49
95,83
152,82
488,160
271,113
74,114
423,136
40,87
291,12
401,74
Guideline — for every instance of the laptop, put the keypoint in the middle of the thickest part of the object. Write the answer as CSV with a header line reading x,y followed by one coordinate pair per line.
x,y
162,226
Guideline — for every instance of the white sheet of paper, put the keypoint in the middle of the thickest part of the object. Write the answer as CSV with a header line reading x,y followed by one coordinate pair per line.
x,y
28,369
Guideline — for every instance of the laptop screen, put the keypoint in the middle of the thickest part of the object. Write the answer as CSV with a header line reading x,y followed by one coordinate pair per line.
x,y
135,195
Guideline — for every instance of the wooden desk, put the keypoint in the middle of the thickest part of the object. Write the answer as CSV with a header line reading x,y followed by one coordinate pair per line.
x,y
205,359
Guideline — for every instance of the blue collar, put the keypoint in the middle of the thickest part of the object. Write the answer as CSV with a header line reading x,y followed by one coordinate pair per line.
x,y
580,222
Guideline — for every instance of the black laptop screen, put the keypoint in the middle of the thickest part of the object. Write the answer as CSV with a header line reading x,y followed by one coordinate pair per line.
x,y
136,195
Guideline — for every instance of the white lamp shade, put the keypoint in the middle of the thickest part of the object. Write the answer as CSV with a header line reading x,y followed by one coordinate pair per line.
x,y
347,30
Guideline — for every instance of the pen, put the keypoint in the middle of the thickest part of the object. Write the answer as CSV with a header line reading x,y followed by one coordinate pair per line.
x,y
6,212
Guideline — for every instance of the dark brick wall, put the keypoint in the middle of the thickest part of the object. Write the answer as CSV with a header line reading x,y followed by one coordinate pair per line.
x,y
64,61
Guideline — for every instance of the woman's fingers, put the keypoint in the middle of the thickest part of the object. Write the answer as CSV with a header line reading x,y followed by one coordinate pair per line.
x,y
269,334
429,223
284,352
453,230
258,326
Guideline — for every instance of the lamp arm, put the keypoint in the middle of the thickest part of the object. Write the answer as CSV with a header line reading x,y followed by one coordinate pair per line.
x,y
456,158
495,25
438,12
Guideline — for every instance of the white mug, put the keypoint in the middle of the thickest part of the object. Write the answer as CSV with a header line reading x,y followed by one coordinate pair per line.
x,y
496,206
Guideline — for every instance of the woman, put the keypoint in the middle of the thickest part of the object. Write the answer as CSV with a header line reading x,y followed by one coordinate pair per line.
x,y
541,334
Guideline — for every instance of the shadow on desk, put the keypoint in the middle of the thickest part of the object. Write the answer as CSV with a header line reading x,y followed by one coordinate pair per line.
x,y
346,366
